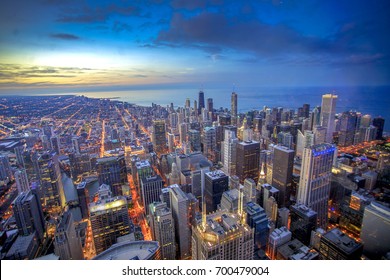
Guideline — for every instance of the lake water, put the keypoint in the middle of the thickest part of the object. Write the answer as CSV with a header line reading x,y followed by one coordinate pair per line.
x,y
367,100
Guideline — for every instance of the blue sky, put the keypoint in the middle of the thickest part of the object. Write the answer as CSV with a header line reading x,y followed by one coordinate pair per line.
x,y
63,46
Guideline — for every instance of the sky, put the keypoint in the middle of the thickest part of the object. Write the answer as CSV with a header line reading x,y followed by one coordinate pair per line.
x,y
64,46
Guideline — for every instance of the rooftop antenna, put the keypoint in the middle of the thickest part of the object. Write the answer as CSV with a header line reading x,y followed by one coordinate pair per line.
x,y
234,87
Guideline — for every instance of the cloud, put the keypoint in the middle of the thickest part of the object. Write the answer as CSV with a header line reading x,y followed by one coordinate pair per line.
x,y
65,36
217,30
95,14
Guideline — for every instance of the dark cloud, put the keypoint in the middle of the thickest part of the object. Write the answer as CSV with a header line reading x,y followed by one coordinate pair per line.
x,y
217,30
95,14
121,26
65,36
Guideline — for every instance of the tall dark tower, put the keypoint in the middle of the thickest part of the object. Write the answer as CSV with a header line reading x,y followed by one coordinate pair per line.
x,y
200,102
210,106
379,123
234,107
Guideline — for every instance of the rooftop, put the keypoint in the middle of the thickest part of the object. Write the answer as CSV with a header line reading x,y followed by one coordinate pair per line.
x,y
303,209
216,174
130,250
341,240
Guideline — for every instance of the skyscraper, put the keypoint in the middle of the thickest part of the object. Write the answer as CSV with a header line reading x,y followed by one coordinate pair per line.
x,y
109,219
379,123
67,245
216,182
112,172
200,102
55,144
151,190
28,214
248,160
158,136
229,146
194,139
250,192
222,236
233,103
314,185
22,181
163,229
282,170
348,124
49,179
209,143
257,219
328,111
375,230
181,211
210,105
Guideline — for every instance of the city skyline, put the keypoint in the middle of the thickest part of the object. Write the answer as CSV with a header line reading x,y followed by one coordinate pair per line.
x,y
56,47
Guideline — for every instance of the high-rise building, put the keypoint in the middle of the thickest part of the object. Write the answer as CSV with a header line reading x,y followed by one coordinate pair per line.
x,y
303,222
22,181
375,231
209,143
348,124
76,145
222,236
158,136
257,219
28,214
112,171
286,139
216,182
55,144
67,245
314,185
182,212
151,190
109,219
183,132
171,142
336,245
282,170
248,160
5,169
200,102
194,139
49,179
304,140
306,110
379,123
210,105
328,111
234,107
163,229
79,164
229,146
249,190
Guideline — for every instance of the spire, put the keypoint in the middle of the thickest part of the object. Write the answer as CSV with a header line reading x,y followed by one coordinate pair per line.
x,y
262,176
